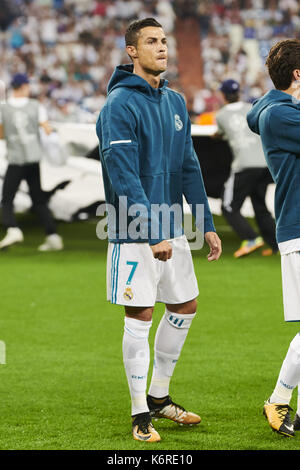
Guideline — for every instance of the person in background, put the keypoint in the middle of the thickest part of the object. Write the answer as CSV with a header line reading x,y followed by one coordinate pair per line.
x,y
20,120
249,175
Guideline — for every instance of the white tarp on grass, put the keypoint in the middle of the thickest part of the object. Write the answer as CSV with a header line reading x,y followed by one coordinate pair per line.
x,y
85,176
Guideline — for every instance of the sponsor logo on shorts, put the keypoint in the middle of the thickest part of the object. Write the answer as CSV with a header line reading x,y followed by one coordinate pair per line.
x,y
128,294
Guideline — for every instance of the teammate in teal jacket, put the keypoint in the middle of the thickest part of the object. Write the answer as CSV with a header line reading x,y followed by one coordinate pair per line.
x,y
148,158
276,117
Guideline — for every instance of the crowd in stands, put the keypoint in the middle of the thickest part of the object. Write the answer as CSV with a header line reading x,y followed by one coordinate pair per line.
x,y
236,36
69,48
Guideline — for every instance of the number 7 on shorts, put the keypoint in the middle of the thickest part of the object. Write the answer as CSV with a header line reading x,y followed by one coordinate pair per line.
x,y
134,266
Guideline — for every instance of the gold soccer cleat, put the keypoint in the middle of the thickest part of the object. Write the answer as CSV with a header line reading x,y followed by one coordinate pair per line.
x,y
143,430
278,416
166,408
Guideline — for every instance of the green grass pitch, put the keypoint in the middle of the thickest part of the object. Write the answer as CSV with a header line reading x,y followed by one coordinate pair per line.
x,y
63,385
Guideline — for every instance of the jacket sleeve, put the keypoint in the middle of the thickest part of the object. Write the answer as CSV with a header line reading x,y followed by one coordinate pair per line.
x,y
285,126
120,151
193,185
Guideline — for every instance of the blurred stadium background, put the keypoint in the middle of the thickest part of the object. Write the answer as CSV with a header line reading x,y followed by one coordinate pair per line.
x,y
63,385
69,49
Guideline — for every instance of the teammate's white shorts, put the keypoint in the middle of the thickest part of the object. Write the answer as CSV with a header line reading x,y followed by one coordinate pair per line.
x,y
290,269
135,278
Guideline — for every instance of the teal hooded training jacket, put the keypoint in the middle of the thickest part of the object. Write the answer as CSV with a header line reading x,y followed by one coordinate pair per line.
x,y
147,156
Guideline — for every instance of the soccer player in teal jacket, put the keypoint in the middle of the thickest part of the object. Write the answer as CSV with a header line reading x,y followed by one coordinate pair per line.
x,y
276,118
146,149
148,158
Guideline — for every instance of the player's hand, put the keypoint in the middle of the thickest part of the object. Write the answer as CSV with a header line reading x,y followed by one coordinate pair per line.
x,y
215,246
162,250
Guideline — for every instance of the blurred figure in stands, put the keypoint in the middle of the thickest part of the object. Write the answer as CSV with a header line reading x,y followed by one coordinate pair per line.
x,y
20,119
249,174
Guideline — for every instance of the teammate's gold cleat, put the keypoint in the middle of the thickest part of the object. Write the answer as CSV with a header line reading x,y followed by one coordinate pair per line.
x,y
278,416
166,408
143,430
248,246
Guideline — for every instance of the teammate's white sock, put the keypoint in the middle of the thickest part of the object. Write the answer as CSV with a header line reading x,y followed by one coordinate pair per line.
x,y
289,376
170,336
136,357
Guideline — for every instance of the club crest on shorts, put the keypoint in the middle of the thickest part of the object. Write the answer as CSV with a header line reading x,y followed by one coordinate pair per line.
x,y
128,294
178,122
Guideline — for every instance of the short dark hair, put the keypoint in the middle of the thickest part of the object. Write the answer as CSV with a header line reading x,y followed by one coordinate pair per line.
x,y
132,32
232,97
283,58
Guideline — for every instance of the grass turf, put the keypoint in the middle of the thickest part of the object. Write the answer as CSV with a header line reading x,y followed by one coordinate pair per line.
x,y
63,384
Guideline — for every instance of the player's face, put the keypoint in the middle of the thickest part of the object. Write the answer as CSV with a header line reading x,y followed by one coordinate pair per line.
x,y
152,50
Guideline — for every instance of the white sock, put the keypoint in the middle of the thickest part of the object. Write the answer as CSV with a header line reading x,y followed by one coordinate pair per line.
x,y
136,357
170,336
289,376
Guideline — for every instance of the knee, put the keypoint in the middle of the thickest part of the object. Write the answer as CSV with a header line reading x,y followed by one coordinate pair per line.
x,y
185,308
192,306
139,313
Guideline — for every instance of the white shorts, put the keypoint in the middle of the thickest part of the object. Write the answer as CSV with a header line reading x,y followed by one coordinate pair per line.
x,y
135,278
290,270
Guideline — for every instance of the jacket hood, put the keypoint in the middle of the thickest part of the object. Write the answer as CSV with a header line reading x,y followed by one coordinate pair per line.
x,y
123,76
273,97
